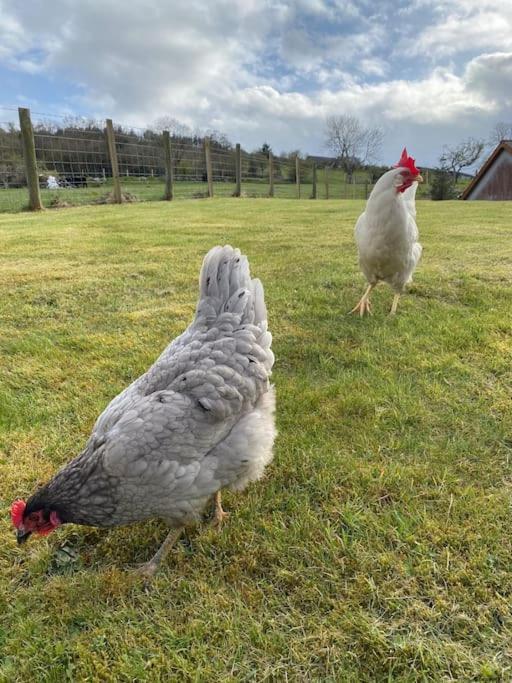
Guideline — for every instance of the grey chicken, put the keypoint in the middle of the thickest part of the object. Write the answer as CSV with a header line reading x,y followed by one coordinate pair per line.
x,y
200,419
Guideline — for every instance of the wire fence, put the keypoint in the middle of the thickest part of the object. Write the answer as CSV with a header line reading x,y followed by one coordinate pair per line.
x,y
74,165
11,164
189,168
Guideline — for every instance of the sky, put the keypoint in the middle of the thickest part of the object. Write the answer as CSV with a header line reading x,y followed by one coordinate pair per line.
x,y
427,72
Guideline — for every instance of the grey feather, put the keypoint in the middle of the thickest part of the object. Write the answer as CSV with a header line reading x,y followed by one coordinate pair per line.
x,y
201,418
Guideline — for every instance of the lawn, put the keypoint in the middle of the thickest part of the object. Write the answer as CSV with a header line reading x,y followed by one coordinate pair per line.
x,y
378,547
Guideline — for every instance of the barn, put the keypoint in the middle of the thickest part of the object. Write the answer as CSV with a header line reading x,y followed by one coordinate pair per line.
x,y
494,180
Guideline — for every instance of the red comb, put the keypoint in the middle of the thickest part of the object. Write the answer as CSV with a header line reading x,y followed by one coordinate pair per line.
x,y
406,161
17,510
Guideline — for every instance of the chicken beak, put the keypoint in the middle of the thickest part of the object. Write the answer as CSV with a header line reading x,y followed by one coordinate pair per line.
x,y
22,535
419,178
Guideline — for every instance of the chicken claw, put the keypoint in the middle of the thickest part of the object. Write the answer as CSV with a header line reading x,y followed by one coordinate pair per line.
x,y
149,569
364,305
219,515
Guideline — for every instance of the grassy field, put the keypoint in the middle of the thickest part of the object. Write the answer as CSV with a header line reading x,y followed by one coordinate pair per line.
x,y
377,548
15,200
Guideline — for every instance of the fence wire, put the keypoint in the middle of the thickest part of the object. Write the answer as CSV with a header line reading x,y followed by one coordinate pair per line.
x,y
13,194
74,166
285,185
140,159
254,175
189,168
223,171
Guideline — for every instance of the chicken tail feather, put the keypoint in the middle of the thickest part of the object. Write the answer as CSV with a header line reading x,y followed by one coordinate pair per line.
x,y
225,285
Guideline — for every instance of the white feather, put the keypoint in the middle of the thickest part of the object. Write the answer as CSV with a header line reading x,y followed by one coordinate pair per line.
x,y
387,235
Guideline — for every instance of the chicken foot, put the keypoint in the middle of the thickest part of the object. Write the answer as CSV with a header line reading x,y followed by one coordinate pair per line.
x,y
219,515
394,305
363,306
148,570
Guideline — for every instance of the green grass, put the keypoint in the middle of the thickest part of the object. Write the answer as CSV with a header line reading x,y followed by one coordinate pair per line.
x,y
378,547
152,189
15,200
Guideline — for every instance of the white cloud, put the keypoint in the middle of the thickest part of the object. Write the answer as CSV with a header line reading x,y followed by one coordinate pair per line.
x,y
13,40
373,67
467,25
273,69
453,106
491,75
442,96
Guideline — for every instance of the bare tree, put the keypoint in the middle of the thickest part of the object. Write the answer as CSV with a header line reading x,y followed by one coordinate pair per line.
x,y
218,139
460,156
176,128
81,123
180,132
501,131
352,143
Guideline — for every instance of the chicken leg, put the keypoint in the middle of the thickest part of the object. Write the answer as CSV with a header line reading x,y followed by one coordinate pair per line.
x,y
394,305
148,570
364,304
219,515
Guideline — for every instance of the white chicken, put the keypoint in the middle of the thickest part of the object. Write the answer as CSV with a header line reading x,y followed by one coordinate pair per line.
x,y
386,233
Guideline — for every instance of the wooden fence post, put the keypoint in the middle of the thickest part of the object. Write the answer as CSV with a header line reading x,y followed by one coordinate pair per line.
x,y
112,153
169,179
326,180
297,175
313,189
209,172
270,174
238,170
29,156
